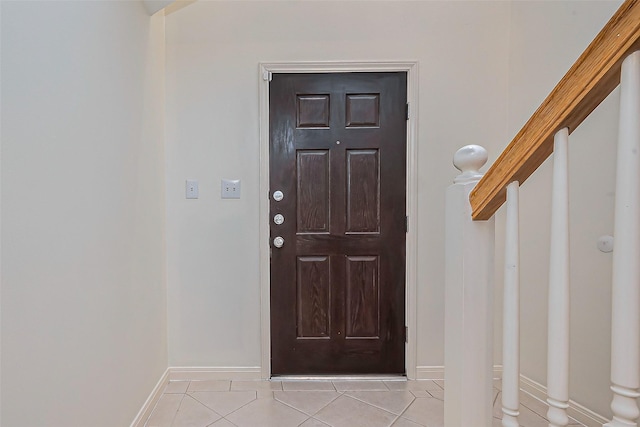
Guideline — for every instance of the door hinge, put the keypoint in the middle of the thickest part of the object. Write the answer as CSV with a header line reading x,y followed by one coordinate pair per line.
x,y
406,224
406,334
267,76
407,110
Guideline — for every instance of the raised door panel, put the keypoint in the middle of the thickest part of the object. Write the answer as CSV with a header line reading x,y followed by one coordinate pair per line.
x,y
312,111
363,298
363,110
314,297
313,191
363,191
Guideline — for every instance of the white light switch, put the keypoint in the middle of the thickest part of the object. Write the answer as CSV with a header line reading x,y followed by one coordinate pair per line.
x,y
192,189
230,189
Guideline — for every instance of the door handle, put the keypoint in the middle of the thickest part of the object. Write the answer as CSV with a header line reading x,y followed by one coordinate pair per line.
x,y
278,242
278,195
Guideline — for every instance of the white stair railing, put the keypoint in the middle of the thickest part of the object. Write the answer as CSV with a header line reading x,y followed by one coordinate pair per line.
x,y
469,285
470,207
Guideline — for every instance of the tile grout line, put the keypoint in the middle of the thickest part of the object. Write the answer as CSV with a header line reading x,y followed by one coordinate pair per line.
x,y
146,422
256,399
313,391
229,421
211,409
224,416
405,410
434,397
383,409
176,414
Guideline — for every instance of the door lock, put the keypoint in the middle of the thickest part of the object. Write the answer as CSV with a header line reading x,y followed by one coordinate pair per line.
x,y
278,242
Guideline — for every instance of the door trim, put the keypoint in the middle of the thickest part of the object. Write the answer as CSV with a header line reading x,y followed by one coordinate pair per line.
x,y
411,68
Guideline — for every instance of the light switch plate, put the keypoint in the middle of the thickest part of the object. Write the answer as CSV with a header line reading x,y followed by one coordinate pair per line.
x,y
230,189
192,189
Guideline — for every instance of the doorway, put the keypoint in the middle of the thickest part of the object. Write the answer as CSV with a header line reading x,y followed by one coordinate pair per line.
x,y
410,69
337,157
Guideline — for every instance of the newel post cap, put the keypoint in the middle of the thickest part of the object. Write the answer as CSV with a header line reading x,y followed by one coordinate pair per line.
x,y
468,160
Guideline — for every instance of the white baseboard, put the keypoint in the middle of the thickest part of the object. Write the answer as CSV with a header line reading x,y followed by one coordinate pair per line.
x,y
429,372
437,372
203,373
193,374
575,411
151,401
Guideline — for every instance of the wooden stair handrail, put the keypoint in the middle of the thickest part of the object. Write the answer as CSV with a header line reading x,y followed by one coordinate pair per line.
x,y
587,83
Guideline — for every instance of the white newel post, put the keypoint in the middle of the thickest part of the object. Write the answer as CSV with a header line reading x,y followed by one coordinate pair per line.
x,y
625,311
468,347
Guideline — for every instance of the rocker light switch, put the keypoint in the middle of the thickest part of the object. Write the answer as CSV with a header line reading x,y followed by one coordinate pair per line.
x,y
230,189
192,189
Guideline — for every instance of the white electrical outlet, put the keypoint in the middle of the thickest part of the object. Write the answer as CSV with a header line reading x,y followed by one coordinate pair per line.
x,y
192,189
230,189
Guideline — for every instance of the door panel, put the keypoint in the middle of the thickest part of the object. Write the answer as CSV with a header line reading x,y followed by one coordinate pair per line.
x,y
338,153
363,110
363,191
313,111
314,294
313,191
363,309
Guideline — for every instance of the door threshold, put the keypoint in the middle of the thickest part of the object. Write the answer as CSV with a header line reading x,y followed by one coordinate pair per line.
x,y
339,377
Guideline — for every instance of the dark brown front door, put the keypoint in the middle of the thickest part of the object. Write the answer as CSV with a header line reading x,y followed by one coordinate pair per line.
x,y
338,155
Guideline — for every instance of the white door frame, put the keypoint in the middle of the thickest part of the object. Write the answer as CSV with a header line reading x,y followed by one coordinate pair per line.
x,y
411,68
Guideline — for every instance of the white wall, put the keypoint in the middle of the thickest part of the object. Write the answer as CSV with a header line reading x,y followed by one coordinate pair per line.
x,y
83,287
546,38
213,51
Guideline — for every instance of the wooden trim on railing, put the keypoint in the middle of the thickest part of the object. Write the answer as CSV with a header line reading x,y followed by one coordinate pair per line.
x,y
589,81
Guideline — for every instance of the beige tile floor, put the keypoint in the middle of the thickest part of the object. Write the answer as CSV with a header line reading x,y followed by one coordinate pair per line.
x,y
371,403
